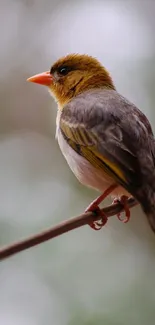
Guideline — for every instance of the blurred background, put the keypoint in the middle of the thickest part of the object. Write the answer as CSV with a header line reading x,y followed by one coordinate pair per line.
x,y
83,277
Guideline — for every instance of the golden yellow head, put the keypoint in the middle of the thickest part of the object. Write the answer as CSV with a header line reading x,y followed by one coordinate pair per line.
x,y
72,75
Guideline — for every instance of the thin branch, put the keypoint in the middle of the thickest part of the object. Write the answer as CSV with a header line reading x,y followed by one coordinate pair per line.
x,y
60,229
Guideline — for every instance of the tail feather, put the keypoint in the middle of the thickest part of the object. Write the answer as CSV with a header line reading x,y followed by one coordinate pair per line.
x,y
151,219
146,197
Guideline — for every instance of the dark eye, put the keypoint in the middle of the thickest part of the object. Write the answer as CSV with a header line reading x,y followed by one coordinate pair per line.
x,y
64,70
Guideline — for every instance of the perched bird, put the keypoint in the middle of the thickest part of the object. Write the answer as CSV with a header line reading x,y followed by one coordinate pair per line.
x,y
107,141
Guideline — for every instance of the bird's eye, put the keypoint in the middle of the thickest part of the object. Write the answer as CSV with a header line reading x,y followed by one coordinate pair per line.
x,y
64,70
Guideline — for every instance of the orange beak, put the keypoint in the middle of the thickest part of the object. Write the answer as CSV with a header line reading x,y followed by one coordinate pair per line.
x,y
44,78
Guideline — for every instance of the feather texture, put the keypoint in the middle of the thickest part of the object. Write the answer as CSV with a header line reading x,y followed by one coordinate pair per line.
x,y
110,133
105,139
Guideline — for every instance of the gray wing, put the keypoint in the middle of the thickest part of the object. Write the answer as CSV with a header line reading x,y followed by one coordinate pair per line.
x,y
104,124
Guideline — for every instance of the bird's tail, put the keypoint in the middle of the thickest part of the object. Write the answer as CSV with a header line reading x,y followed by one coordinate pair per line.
x,y
151,219
146,197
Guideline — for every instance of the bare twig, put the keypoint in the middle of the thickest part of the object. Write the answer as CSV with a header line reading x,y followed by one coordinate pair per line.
x,y
60,229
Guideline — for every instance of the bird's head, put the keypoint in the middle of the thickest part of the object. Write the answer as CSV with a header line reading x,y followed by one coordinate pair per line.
x,y
72,75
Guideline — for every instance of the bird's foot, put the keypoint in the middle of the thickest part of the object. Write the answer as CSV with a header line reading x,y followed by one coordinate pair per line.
x,y
94,207
123,201
97,225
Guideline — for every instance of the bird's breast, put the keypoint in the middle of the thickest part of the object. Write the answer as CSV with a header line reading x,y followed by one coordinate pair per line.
x,y
82,169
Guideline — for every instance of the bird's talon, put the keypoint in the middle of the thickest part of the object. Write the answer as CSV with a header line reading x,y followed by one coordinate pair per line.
x,y
123,202
94,207
97,225
124,220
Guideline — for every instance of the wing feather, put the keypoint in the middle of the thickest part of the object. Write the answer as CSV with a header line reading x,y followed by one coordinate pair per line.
x,y
110,132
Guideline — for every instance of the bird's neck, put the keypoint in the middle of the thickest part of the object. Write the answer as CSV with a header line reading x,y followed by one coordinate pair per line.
x,y
96,81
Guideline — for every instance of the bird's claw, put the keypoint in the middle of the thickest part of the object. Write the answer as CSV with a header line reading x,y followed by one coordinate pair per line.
x,y
123,201
97,225
94,207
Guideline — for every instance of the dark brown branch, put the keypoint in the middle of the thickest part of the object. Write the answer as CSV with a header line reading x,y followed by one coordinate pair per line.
x,y
60,229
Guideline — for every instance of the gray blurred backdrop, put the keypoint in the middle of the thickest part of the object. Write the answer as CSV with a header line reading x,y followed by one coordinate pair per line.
x,y
83,277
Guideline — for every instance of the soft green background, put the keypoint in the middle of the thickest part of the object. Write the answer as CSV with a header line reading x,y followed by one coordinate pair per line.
x,y
83,277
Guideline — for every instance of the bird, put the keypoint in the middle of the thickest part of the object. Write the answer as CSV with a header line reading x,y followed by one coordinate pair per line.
x,y
106,140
